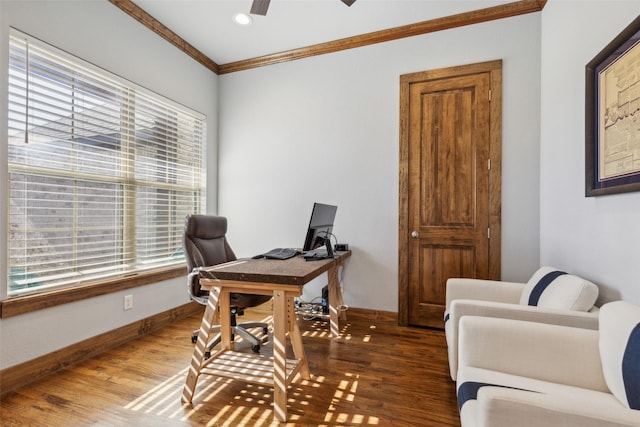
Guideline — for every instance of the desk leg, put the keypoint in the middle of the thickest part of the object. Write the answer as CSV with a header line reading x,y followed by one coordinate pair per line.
x,y
279,355
296,340
335,301
209,319
224,303
343,314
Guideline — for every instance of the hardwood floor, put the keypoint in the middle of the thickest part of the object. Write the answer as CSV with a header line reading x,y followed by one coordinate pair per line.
x,y
377,374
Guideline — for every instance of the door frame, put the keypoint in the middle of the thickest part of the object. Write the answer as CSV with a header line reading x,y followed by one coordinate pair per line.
x,y
494,69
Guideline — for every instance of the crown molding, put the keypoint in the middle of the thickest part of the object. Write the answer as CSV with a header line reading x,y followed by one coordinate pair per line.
x,y
439,24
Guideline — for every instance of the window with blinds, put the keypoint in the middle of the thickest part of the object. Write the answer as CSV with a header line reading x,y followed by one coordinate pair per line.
x,y
101,171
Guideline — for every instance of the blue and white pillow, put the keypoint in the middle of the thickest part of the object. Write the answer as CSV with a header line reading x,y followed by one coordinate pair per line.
x,y
620,351
552,288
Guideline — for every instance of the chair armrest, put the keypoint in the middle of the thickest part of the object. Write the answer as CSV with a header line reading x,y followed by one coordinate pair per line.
x,y
502,407
484,290
464,307
552,353
191,279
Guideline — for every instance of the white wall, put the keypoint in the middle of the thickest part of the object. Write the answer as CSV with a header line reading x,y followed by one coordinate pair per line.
x,y
102,34
597,237
326,129
321,129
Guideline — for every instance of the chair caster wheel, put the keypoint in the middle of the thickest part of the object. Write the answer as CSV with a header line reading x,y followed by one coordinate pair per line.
x,y
207,355
194,339
265,330
255,348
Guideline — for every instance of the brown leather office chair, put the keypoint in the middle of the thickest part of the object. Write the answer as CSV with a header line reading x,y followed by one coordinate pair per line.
x,y
205,244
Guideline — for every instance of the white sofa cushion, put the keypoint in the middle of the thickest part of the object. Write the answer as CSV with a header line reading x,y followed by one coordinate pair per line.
x,y
591,403
470,375
552,288
620,351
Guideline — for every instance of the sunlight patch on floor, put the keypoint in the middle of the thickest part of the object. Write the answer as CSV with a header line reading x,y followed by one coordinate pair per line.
x,y
346,392
252,405
320,329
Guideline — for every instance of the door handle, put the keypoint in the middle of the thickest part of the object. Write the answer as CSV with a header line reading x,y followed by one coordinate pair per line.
x,y
415,234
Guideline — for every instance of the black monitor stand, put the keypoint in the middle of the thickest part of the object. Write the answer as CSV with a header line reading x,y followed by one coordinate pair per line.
x,y
316,255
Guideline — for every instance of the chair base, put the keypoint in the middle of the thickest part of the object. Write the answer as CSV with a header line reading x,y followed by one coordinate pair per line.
x,y
241,330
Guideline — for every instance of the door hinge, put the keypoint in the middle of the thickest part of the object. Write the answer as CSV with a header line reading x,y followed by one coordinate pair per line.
x,y
488,232
488,164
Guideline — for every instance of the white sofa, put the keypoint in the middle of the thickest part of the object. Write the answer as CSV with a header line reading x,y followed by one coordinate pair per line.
x,y
522,374
548,297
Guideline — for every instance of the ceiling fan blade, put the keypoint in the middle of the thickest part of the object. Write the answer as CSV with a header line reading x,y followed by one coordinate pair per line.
x,y
348,2
259,7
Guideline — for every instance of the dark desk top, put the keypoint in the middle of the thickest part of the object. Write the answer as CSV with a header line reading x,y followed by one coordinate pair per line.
x,y
292,271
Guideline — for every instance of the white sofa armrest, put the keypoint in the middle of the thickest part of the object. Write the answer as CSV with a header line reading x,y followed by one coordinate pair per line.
x,y
503,407
557,354
463,307
552,316
483,290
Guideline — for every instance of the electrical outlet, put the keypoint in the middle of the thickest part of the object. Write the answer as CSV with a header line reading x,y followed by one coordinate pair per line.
x,y
128,302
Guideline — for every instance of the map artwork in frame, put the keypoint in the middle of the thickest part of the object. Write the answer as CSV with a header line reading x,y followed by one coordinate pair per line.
x,y
612,134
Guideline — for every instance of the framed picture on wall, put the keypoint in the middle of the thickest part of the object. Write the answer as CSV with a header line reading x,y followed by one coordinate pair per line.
x,y
612,133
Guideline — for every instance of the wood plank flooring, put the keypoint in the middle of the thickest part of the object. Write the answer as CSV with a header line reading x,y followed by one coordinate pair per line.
x,y
376,374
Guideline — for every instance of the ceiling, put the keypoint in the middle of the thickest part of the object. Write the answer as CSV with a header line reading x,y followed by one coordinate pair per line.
x,y
290,24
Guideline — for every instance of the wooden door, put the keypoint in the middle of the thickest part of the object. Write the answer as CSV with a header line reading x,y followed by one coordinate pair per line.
x,y
450,185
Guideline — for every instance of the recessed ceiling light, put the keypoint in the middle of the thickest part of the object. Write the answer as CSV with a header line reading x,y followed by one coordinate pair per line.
x,y
242,19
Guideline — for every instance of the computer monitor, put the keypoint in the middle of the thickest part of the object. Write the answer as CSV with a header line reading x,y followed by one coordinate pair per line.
x,y
320,226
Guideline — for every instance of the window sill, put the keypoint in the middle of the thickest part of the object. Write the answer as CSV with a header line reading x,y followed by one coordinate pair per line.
x,y
28,303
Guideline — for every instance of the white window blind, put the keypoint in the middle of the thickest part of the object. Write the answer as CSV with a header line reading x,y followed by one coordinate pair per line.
x,y
101,171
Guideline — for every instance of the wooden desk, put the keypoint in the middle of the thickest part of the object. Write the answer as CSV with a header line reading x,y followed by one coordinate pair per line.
x,y
282,279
